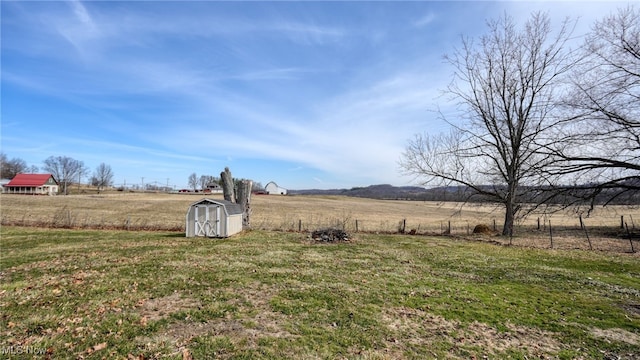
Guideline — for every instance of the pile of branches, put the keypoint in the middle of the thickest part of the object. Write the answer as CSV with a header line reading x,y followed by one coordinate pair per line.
x,y
329,235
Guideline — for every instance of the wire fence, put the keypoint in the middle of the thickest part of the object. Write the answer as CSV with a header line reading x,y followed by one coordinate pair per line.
x,y
606,233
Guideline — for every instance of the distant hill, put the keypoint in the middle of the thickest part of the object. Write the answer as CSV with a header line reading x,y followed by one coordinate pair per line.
x,y
454,193
382,191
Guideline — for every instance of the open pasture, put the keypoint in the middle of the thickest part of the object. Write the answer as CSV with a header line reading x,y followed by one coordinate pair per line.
x,y
95,294
160,211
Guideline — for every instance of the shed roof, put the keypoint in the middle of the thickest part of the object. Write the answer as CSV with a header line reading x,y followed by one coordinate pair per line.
x,y
232,208
30,180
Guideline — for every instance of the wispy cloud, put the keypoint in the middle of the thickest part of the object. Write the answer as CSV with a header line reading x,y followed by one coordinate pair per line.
x,y
425,20
272,74
81,13
80,30
309,34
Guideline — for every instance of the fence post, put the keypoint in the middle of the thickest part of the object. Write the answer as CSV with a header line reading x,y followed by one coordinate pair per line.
x,y
538,224
630,237
495,228
449,229
584,227
299,225
356,225
581,222
550,233
621,221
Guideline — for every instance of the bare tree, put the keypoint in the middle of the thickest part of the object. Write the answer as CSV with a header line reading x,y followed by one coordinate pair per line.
x,y
102,177
193,181
206,180
65,169
257,186
9,168
506,86
601,149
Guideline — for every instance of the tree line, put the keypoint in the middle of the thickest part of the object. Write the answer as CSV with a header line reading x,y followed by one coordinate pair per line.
x,y
68,171
65,169
204,182
539,119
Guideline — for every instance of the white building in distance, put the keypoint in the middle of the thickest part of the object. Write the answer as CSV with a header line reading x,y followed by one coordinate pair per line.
x,y
273,189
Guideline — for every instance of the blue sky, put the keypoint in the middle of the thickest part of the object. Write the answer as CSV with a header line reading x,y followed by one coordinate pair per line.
x,y
306,94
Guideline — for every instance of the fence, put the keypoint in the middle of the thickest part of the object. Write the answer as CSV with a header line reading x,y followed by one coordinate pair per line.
x,y
613,232
599,235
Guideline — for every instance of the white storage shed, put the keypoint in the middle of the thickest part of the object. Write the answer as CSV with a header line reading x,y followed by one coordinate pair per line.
x,y
213,218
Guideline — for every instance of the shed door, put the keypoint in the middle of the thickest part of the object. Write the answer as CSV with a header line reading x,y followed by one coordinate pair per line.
x,y
213,213
207,222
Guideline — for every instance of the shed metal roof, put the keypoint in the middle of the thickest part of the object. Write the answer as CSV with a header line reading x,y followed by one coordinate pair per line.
x,y
30,180
232,208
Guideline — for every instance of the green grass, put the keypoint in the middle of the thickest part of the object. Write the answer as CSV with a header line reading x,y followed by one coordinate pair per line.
x,y
114,294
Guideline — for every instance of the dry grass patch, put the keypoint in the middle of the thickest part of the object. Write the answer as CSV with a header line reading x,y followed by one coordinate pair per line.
x,y
418,327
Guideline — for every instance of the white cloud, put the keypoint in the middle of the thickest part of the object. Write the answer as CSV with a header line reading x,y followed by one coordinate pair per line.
x,y
81,13
425,20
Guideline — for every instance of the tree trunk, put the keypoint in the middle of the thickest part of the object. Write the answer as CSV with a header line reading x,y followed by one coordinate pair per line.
x,y
228,188
244,199
509,216
510,209
241,195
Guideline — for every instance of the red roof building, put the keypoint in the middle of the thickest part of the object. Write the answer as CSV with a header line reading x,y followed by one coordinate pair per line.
x,y
32,184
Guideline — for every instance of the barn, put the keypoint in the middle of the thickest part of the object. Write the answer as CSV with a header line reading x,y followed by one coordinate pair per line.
x,y
32,184
273,189
213,218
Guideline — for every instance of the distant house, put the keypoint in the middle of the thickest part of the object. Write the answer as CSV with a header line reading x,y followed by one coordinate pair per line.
x,y
213,189
273,188
32,184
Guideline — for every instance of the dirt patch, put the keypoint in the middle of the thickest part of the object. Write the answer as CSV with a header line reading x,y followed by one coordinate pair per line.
x,y
615,334
633,309
412,325
156,309
254,301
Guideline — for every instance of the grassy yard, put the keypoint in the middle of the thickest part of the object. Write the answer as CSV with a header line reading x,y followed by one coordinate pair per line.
x,y
115,294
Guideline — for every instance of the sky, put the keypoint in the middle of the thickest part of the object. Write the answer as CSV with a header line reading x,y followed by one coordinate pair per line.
x,y
307,94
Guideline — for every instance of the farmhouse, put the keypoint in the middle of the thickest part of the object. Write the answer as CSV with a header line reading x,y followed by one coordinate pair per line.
x,y
273,188
32,184
213,189
213,218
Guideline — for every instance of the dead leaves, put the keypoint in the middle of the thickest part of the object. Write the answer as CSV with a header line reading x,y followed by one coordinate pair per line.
x,y
95,348
186,355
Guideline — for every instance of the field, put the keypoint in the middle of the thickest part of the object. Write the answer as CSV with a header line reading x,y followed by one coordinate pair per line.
x,y
80,283
159,211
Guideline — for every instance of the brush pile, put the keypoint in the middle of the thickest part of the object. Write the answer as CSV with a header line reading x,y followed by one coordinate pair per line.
x,y
329,235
